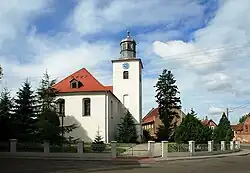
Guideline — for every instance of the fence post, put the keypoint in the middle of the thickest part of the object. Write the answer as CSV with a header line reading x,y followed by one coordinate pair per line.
x,y
191,147
210,146
13,143
113,149
232,145
46,148
237,145
223,146
151,148
164,148
80,147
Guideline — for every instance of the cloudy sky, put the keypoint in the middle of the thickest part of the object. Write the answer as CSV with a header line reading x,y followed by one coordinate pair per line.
x,y
205,43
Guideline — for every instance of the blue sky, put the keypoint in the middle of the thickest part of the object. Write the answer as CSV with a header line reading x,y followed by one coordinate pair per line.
x,y
204,42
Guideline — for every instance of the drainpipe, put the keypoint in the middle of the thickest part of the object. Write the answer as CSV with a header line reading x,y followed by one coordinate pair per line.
x,y
106,117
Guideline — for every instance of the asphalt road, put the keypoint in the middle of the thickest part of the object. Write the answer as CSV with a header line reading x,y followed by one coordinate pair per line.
x,y
236,164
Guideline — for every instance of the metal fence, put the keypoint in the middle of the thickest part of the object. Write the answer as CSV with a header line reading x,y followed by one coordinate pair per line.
x,y
201,147
174,147
29,147
131,149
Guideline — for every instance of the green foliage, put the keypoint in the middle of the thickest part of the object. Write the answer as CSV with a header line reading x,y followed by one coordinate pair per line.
x,y
146,136
7,128
25,113
48,124
168,103
192,128
126,132
98,144
243,118
223,132
1,72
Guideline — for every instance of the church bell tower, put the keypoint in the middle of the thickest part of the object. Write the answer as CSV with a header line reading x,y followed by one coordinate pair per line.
x,y
127,80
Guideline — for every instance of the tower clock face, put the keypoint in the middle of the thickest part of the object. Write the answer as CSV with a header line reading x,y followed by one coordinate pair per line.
x,y
125,65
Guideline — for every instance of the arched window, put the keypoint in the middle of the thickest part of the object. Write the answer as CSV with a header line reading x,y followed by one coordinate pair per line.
x,y
125,75
86,107
126,100
61,107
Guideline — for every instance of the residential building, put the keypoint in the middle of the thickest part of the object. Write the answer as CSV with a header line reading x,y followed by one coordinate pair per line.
x,y
151,121
209,122
242,131
85,101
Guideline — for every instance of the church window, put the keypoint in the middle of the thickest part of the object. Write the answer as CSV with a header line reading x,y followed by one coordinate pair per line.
x,y
125,75
86,107
61,106
126,100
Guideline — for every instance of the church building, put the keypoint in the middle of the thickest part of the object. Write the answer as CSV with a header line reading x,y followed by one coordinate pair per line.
x,y
83,100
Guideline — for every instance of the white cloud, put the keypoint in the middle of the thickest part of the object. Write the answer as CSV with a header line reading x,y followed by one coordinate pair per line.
x,y
221,68
216,111
92,16
199,66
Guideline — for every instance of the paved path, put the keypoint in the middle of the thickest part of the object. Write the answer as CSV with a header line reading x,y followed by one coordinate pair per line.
x,y
234,164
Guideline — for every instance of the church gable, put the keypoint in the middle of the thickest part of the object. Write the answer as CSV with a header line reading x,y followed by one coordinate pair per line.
x,y
80,81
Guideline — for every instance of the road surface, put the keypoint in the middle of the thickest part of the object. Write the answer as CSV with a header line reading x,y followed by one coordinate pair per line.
x,y
236,164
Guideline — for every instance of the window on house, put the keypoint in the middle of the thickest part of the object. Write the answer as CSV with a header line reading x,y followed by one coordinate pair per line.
x,y
61,106
86,107
111,109
74,84
125,75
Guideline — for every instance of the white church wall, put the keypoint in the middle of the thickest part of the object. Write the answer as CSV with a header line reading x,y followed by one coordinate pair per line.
x,y
88,125
116,112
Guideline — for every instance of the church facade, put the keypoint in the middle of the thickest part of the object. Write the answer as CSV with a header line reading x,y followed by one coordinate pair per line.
x,y
83,100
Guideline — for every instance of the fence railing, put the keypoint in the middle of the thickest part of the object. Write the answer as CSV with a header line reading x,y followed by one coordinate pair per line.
x,y
113,149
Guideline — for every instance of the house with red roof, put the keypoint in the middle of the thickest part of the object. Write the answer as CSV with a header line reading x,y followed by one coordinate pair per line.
x,y
96,107
242,131
151,121
209,122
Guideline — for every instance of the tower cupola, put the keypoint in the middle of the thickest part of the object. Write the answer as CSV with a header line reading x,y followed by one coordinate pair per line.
x,y
128,47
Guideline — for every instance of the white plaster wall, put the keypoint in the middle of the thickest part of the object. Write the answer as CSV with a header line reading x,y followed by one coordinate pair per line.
x,y
88,125
131,86
115,115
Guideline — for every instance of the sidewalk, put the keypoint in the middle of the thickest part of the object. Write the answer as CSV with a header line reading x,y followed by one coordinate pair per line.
x,y
240,153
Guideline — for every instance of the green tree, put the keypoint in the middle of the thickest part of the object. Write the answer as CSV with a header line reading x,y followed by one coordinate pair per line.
x,y
1,72
48,125
126,132
146,136
168,103
192,128
7,127
223,132
243,118
25,112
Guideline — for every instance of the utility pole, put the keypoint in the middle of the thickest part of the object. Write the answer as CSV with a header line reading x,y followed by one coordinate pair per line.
x,y
227,113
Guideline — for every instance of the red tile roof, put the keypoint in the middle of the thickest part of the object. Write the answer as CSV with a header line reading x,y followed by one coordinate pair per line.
x,y
90,83
151,116
209,123
238,127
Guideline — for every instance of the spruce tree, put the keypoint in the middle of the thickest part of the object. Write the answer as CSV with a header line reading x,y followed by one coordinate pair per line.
x,y
7,126
49,127
168,103
25,112
126,132
223,132
192,129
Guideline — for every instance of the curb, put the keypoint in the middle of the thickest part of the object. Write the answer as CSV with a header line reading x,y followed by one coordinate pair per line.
x,y
247,152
